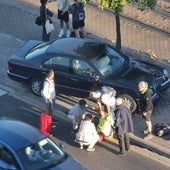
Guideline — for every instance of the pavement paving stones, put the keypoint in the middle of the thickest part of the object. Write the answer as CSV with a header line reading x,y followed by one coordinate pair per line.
x,y
18,26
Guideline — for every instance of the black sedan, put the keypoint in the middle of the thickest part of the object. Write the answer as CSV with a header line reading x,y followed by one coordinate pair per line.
x,y
77,63
24,147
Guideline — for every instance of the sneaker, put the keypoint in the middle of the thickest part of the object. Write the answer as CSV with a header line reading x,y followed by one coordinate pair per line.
x,y
148,136
121,153
61,33
146,131
90,149
68,33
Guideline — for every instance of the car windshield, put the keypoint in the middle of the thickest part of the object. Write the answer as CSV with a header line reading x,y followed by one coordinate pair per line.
x,y
41,155
37,51
109,62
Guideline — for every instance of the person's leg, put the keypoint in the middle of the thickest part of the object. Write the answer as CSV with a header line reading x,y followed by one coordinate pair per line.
x,y
82,27
121,144
61,32
77,34
76,29
148,125
127,141
45,36
66,20
83,32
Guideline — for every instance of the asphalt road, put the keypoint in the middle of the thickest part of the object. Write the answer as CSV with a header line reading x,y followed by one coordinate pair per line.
x,y
104,158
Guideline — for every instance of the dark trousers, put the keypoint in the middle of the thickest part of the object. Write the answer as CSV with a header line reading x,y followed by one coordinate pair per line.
x,y
45,36
124,142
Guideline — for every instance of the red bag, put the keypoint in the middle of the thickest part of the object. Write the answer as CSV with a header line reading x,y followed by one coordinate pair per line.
x,y
101,136
45,123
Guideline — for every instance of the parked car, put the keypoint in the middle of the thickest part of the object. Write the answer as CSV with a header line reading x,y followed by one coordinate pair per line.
x,y
77,63
24,147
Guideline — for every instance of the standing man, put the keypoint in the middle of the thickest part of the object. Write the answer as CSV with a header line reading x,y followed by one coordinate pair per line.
x,y
48,92
63,16
147,108
78,18
123,126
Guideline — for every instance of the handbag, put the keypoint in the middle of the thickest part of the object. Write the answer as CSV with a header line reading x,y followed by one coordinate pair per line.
x,y
38,20
49,26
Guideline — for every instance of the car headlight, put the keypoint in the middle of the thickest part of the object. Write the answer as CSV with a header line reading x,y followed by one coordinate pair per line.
x,y
165,73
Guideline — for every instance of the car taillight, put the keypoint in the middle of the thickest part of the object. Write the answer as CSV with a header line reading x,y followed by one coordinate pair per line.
x,y
9,68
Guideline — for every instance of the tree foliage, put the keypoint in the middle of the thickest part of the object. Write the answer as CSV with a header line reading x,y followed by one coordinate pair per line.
x,y
117,5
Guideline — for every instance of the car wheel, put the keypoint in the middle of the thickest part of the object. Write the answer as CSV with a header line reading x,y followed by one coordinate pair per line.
x,y
129,102
35,86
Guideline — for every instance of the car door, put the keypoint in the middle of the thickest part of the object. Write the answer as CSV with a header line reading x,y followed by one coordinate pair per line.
x,y
82,77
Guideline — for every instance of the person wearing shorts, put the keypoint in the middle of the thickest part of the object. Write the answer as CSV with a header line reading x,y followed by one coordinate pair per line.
x,y
78,23
63,16
147,108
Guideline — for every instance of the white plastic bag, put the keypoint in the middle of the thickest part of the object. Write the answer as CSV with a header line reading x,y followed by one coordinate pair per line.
x,y
49,26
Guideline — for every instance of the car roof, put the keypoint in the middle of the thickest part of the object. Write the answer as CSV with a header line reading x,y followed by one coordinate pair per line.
x,y
18,134
87,48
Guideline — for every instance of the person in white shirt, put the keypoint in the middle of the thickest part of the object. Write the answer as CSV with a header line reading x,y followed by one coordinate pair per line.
x,y
63,16
87,134
48,92
76,113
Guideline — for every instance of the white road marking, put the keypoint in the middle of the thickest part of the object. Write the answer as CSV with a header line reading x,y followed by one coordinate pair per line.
x,y
2,92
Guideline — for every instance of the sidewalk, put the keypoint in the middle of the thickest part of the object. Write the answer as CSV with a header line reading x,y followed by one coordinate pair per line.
x,y
19,22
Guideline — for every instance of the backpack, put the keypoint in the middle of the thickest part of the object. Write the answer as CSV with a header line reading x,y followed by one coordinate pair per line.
x,y
108,90
79,12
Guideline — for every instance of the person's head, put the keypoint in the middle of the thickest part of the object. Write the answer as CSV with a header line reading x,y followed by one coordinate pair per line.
x,y
88,117
119,101
142,86
82,104
43,2
50,74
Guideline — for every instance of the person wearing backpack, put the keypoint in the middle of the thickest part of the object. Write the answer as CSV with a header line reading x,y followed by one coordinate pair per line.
x,y
78,18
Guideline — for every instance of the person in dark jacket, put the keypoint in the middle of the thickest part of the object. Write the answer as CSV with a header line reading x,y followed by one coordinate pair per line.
x,y
123,126
146,107
45,14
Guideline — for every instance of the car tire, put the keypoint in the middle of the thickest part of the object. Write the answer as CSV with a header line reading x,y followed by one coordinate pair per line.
x,y
129,102
35,86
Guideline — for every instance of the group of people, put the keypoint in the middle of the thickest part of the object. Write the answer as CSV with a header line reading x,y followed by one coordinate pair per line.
x,y
115,118
76,9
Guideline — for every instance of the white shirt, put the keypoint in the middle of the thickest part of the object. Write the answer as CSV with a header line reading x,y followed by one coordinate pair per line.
x,y
48,90
87,132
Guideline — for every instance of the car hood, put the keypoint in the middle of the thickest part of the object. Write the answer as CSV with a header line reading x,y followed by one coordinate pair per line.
x,y
137,70
69,163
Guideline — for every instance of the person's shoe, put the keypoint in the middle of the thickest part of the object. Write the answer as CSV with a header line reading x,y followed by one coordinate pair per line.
x,y
121,153
148,136
68,33
91,149
146,131
61,33
53,126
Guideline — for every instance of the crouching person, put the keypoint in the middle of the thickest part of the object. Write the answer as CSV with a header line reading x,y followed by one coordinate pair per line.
x,y
87,134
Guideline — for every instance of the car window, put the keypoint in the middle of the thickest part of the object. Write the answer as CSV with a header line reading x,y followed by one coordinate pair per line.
x,y
58,63
40,50
7,160
109,62
41,155
82,68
